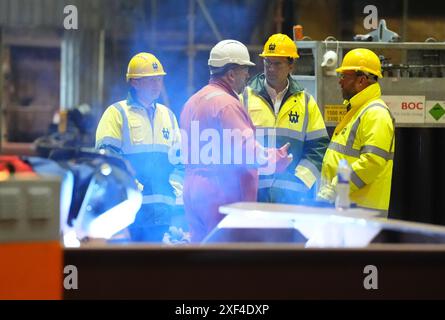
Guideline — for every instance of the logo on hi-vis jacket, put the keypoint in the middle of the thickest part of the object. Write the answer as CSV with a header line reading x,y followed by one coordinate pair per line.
x,y
293,117
155,66
166,133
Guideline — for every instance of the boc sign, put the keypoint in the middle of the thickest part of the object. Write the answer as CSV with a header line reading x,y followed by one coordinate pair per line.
x,y
406,109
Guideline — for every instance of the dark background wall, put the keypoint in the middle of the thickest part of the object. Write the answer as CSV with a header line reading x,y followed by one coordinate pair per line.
x,y
418,191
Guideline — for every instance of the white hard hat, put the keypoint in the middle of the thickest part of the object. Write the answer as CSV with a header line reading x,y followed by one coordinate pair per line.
x,y
229,51
330,59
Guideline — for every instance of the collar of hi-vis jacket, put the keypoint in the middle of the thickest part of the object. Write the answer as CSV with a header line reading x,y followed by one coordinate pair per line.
x,y
370,93
223,85
133,101
258,87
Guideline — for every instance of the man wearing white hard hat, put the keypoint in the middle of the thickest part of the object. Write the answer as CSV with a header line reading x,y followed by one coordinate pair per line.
x,y
213,177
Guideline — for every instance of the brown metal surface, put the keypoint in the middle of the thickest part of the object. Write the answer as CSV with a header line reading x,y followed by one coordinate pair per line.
x,y
256,272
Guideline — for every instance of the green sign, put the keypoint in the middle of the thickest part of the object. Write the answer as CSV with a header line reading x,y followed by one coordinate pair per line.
x,y
437,111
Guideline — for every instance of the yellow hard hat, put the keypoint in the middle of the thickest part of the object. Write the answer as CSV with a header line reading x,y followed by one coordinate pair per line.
x,y
280,45
361,60
144,65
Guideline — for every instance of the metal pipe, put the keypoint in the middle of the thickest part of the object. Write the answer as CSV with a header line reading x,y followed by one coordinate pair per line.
x,y
101,63
1,89
64,51
209,19
279,16
191,50
404,29
153,16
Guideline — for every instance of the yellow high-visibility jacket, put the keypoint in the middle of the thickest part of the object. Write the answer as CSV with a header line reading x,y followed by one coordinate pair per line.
x,y
299,122
126,128
365,138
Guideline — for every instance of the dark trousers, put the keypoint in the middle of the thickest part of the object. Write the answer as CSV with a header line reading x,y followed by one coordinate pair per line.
x,y
278,195
151,222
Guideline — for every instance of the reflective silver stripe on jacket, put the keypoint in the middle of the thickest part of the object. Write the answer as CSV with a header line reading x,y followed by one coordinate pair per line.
x,y
350,151
311,167
139,148
109,141
158,198
289,185
265,183
279,132
213,94
306,108
126,139
172,119
282,184
356,180
128,147
378,151
344,149
317,134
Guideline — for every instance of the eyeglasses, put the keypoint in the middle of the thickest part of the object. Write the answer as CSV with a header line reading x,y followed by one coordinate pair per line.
x,y
150,80
343,76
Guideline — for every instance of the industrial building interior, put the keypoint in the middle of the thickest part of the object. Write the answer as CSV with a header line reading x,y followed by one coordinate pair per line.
x,y
56,83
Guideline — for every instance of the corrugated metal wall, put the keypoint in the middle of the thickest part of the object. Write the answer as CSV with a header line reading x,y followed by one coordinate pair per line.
x,y
93,14
81,73
48,13
82,50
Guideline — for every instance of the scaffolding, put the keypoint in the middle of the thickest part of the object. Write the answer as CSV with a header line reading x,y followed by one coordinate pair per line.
x,y
83,74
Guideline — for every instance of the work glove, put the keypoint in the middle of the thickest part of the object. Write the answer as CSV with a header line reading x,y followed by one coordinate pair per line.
x,y
176,236
327,192
139,185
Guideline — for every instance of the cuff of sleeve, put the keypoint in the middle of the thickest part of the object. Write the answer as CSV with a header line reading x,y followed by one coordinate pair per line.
x,y
356,183
305,175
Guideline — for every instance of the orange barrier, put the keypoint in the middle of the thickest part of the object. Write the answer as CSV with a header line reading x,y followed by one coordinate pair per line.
x,y
31,270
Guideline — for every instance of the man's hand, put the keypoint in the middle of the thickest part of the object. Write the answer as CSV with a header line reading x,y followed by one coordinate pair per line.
x,y
284,159
326,193
280,158
139,185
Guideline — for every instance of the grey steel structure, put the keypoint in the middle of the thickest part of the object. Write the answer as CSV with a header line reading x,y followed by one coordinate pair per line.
x,y
413,68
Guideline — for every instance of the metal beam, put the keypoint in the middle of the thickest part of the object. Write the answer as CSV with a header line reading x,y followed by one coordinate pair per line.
x,y
101,63
404,29
191,52
279,16
1,89
153,22
209,19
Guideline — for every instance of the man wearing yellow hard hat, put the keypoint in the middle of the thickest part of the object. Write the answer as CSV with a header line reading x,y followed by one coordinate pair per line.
x,y
365,136
280,107
144,131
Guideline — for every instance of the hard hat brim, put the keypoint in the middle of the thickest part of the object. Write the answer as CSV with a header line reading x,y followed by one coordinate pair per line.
x,y
363,69
143,75
222,63
264,55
